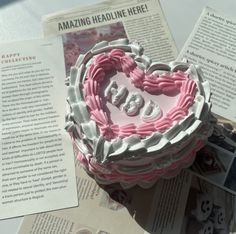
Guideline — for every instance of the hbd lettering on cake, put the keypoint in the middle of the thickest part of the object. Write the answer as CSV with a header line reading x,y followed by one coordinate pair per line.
x,y
133,120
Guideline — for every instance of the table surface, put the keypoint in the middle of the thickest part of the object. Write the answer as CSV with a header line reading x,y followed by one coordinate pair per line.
x,y
21,20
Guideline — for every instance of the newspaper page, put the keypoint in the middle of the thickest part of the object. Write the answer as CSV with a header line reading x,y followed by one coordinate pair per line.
x,y
141,21
36,155
212,44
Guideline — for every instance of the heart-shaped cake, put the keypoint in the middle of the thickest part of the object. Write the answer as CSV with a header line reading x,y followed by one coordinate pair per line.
x,y
133,120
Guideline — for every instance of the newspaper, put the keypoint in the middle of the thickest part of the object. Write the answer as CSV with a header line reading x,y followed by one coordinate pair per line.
x,y
36,164
212,44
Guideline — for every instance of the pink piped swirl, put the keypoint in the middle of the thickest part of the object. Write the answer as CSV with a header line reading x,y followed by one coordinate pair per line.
x,y
127,130
99,117
137,75
103,61
95,72
115,56
127,64
145,129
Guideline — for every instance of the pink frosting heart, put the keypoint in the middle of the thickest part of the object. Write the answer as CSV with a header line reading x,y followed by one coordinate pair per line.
x,y
117,60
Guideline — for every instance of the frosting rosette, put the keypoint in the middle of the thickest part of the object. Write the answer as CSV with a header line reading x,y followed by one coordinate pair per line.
x,y
133,120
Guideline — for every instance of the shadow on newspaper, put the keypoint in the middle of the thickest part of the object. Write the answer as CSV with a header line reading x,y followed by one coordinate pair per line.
x,y
136,200
207,209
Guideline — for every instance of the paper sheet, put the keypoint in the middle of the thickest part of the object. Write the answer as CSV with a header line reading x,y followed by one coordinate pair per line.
x,y
37,163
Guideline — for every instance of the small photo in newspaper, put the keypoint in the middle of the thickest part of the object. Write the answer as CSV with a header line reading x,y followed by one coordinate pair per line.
x,y
80,42
216,162
209,209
